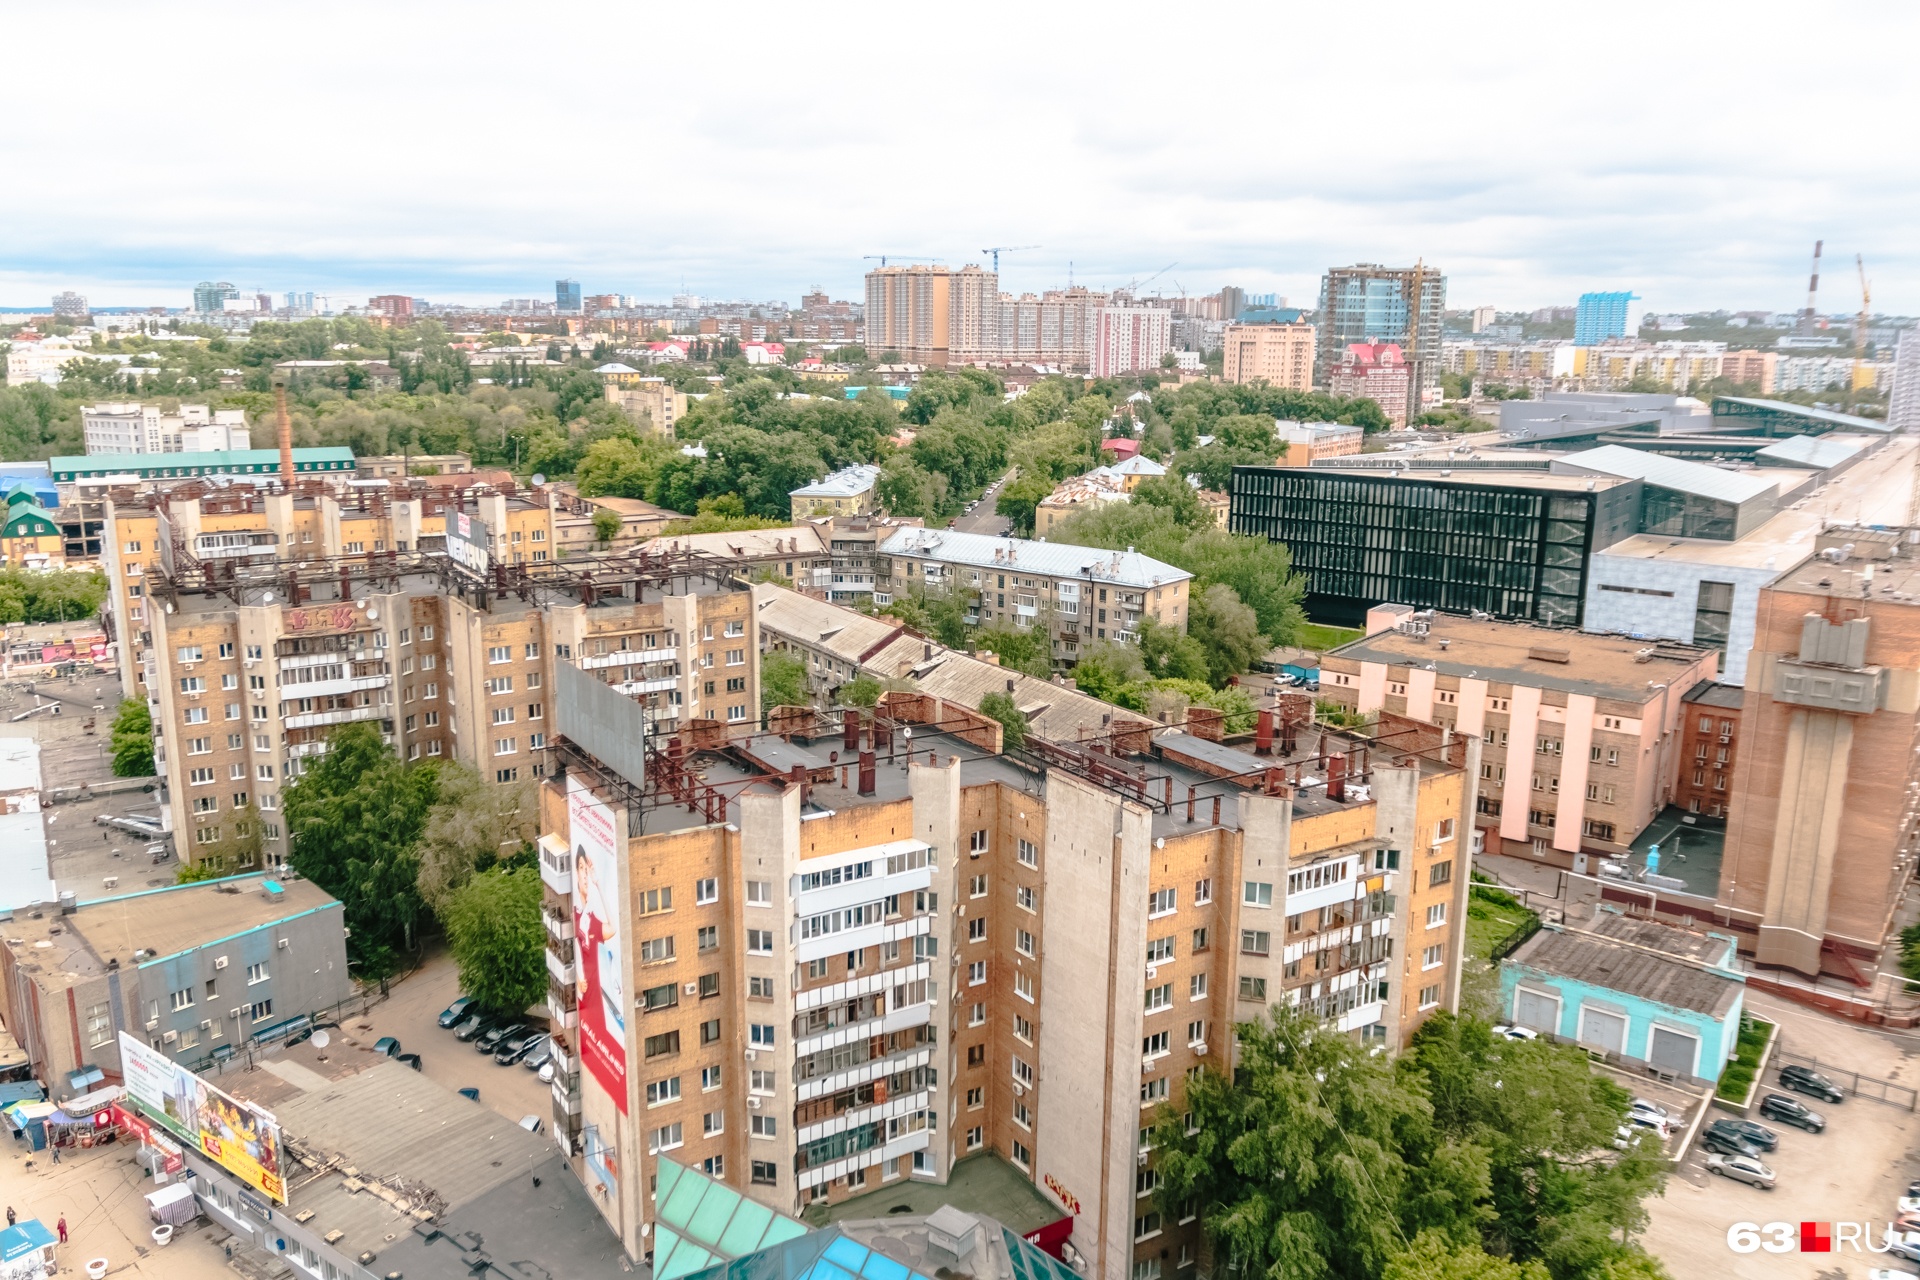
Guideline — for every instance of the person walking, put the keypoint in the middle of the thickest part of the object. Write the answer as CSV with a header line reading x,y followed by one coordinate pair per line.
x,y
9,1215
61,1227
56,1153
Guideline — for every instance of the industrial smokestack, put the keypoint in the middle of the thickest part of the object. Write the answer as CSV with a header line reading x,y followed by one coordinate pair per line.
x,y
285,424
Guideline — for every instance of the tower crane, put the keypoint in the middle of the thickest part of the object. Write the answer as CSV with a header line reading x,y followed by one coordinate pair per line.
x,y
1137,283
882,257
1809,320
997,250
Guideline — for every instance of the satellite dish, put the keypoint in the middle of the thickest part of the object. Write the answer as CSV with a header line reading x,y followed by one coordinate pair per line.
x,y
321,1039
539,479
267,596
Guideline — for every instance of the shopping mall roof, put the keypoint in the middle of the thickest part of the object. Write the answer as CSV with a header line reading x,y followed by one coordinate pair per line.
x,y
1821,452
181,466
1677,474
1770,414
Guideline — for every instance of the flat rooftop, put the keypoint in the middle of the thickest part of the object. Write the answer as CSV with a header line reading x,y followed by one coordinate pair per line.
x,y
1655,962
66,949
483,1176
1888,581
1604,666
1514,479
979,1184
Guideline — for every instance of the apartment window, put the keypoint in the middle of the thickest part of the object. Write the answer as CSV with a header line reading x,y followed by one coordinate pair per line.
x,y
976,1138
662,1045
976,1055
1434,956
1023,897
659,1091
1028,853
1147,1225
1021,1156
1159,950
500,653
1156,1045
1197,987
759,893
1023,942
1257,894
1162,902
656,950
1201,942
182,999
1436,915
1443,831
977,843
196,715
1197,1032
976,973
760,1035
1440,873
1160,997
257,972
977,887
977,1015
1022,1029
1022,1072
705,891
764,1173
1253,988
665,1138
1152,1091
649,901
1023,986
764,1127
1430,996
1202,892
977,929
712,1122
1255,942
760,942
757,988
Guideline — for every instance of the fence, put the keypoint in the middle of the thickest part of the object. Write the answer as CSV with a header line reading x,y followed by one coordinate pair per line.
x,y
1876,1090
227,1058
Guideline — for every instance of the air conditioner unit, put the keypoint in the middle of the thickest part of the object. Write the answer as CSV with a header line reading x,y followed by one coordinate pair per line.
x,y
1149,1066
285,943
1153,971
1019,1091
219,962
751,1056
206,1023
1141,1158
753,1103
234,1013
692,988
170,1037
152,1023
1200,1047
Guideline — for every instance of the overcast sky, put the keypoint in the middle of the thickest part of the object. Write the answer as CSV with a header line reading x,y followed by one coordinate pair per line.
x,y
1689,152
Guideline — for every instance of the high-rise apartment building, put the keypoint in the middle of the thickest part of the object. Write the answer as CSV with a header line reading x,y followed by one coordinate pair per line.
x,y
1056,328
255,621
1378,372
70,306
1600,317
1280,355
144,428
851,949
394,306
1130,339
566,295
211,296
1371,303
1903,403
934,315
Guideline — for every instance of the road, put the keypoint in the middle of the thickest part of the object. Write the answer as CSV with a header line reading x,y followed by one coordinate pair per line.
x,y
985,518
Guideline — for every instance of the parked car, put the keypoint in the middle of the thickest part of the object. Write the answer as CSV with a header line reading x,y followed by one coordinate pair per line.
x,y
490,1040
1905,1244
1758,1134
511,1051
546,1071
1626,1136
1742,1169
530,1123
454,1012
387,1045
411,1059
1516,1033
1727,1142
474,1024
1889,1273
1650,1108
1641,1120
1907,1204
1778,1106
1808,1081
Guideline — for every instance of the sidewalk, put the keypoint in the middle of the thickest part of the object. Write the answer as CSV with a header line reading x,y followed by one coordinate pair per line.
x,y
101,1194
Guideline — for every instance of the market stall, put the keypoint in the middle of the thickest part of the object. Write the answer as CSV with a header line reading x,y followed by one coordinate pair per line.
x,y
26,1251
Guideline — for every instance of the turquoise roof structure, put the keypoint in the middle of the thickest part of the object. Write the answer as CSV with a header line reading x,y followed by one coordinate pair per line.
x,y
698,1223
220,462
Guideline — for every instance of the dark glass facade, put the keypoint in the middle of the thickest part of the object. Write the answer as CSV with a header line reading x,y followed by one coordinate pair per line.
x,y
1513,551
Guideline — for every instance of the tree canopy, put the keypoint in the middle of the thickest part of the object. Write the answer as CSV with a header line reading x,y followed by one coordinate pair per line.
x,y
132,740
493,927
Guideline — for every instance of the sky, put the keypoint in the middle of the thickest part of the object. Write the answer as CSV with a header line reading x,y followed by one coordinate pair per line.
x,y
1690,152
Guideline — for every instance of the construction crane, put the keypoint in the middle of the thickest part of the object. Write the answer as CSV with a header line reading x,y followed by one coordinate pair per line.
x,y
1136,284
1809,320
997,250
882,257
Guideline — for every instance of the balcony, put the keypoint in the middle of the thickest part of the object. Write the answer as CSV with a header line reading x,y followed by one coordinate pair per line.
x,y
559,925
628,658
566,1102
556,866
347,715
564,1014
332,688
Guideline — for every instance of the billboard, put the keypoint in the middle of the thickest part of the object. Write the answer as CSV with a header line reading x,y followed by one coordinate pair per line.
x,y
237,1136
599,887
469,543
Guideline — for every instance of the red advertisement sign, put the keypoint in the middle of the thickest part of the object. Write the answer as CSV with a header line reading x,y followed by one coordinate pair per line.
x,y
599,886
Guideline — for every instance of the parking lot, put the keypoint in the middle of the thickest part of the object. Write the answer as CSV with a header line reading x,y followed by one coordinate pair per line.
x,y
1853,1172
410,1014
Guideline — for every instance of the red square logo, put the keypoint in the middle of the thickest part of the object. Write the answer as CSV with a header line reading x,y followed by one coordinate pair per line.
x,y
1816,1237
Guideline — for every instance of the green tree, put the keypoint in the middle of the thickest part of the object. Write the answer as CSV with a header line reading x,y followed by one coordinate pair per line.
x,y
1173,494
494,929
783,680
861,691
1435,1257
132,740
1001,706
356,815
474,826
1228,631
606,524
1019,498
1025,651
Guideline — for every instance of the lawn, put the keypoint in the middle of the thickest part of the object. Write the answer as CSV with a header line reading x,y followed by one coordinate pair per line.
x,y
1491,916
1320,638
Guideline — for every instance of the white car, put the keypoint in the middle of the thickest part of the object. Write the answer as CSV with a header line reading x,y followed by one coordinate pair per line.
x,y
1905,1245
1888,1273
1625,1137
1650,1108
1516,1033
1741,1169
1908,1204
546,1072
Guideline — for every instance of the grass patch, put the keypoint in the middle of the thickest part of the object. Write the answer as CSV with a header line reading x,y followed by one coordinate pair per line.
x,y
1736,1081
1320,638
1492,914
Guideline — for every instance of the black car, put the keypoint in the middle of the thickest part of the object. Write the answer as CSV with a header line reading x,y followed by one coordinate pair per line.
x,y
518,1047
1808,1081
1778,1106
1728,1142
453,1013
411,1059
1758,1134
474,1024
491,1040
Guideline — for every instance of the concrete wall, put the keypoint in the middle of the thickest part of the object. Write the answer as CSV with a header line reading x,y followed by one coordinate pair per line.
x,y
1718,1037
1670,616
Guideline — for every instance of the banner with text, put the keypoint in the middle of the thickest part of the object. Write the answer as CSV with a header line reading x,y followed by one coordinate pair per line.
x,y
239,1137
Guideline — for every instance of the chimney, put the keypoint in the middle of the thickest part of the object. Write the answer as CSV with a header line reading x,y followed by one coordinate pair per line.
x,y
866,773
850,729
1263,735
1336,777
286,436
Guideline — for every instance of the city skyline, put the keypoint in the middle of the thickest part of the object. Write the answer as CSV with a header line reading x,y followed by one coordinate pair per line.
x,y
743,181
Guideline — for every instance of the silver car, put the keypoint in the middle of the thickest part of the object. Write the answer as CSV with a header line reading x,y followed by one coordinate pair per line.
x,y
1741,1169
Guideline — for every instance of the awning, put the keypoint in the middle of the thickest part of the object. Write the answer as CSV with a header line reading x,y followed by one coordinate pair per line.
x,y
98,1100
24,1238
85,1077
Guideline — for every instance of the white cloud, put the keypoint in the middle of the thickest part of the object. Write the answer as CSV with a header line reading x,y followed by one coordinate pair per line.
x,y
1689,152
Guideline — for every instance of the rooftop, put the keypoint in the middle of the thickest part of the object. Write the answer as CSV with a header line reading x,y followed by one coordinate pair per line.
x,y
1640,958
1605,666
65,949
1819,452
799,540
1677,474
1047,559
482,1175
1857,577
1711,693
1520,477
237,461
981,1184
1821,417
849,482
847,634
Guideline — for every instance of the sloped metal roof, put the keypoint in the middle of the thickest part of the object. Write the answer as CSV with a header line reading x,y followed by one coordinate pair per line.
x,y
1669,473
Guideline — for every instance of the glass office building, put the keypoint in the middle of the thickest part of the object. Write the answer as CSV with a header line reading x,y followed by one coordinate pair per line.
x,y
1516,550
